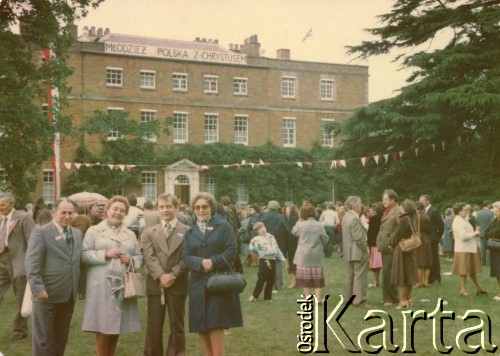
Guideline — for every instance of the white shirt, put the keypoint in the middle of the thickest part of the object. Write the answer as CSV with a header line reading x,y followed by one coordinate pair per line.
x,y
329,218
172,223
7,221
427,208
60,229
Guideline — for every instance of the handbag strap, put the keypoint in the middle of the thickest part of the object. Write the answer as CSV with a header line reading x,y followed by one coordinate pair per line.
x,y
411,226
231,268
131,266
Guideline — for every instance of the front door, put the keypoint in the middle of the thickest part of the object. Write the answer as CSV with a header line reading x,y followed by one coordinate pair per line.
x,y
181,189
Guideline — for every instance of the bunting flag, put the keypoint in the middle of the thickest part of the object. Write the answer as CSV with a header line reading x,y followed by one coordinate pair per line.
x,y
416,152
252,164
394,156
67,165
78,165
433,147
459,140
442,144
333,165
386,156
376,158
110,166
225,165
363,161
122,167
202,168
342,162
309,164
299,164
401,154
129,167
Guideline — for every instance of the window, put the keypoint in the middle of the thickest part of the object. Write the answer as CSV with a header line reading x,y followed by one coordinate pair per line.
x,y
210,184
326,89
210,83
48,186
4,185
114,133
240,86
241,129
114,77
211,128
148,116
241,194
148,185
326,133
148,79
289,132
288,87
179,81
180,126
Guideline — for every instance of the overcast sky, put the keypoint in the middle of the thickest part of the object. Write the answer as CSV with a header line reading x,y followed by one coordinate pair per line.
x,y
277,23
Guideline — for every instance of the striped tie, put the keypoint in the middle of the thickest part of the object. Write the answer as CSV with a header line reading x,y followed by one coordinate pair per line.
x,y
3,233
203,226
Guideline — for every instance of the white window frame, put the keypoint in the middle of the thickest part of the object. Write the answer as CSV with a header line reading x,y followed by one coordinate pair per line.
x,y
323,137
286,89
145,71
245,136
151,138
331,82
207,137
118,135
115,85
180,138
286,135
211,79
179,82
242,86
210,184
48,188
147,187
241,194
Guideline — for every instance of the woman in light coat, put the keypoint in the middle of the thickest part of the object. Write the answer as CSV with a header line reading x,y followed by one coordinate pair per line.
x,y
108,250
466,260
310,251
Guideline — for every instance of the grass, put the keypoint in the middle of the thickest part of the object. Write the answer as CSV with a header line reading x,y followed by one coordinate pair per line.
x,y
272,329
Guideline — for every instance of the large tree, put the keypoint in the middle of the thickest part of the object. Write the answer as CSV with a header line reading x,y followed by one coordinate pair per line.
x,y
452,97
26,133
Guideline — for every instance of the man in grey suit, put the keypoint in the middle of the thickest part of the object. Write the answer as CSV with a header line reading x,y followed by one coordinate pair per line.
x,y
53,270
483,218
166,283
15,229
355,250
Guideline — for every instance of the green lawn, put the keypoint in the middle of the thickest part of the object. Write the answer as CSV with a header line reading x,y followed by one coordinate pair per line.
x,y
272,329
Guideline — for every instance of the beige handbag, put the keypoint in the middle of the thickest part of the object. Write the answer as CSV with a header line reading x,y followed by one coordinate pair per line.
x,y
134,288
414,241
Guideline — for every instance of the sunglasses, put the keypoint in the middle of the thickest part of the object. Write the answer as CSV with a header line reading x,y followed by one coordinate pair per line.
x,y
201,207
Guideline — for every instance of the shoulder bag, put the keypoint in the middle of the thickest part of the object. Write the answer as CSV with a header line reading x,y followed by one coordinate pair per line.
x,y
414,241
133,283
226,282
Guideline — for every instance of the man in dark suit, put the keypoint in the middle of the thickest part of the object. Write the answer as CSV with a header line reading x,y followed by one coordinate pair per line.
x,y
277,226
166,283
483,218
53,270
15,229
437,228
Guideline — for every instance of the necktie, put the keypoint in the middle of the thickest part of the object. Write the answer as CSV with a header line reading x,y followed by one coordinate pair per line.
x,y
3,233
203,226
167,229
69,238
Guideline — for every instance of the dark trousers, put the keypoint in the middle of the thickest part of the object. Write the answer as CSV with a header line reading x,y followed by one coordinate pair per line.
x,y
20,325
330,231
484,250
389,290
435,271
175,307
50,327
265,275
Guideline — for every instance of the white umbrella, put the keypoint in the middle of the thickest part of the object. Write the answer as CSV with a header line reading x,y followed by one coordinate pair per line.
x,y
86,199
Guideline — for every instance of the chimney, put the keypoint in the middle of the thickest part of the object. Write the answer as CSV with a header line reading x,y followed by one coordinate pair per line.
x,y
72,30
99,32
106,31
216,41
283,53
251,46
92,31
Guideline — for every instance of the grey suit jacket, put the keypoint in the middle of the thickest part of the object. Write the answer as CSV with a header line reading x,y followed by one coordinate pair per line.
x,y
18,233
159,258
354,239
50,265
388,226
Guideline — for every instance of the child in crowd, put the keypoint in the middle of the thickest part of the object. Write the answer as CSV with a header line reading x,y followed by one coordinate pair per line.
x,y
265,246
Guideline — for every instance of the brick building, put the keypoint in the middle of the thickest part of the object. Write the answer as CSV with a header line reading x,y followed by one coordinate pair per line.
x,y
213,94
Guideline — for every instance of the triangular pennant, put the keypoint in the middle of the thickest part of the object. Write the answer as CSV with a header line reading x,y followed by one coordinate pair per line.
x,y
252,164
394,156
122,167
261,162
459,140
78,165
309,164
88,165
443,144
416,152
116,166
433,147
243,162
299,164
129,167
401,154
333,165
376,158
110,166
363,161
67,165
342,162
225,165
386,156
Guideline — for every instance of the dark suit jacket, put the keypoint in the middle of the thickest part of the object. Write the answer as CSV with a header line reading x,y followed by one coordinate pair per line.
x,y
437,225
277,226
388,225
50,265
18,233
160,259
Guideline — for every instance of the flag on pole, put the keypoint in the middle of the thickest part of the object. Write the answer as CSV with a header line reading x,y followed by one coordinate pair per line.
x,y
308,34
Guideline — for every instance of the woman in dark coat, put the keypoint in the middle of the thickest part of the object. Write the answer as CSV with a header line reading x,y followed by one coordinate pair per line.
x,y
206,244
493,232
404,264
375,264
291,215
424,252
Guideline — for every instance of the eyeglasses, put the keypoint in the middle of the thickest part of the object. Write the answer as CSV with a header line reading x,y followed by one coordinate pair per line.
x,y
201,207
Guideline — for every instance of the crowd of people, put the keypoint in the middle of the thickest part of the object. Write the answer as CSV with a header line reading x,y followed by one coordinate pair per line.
x,y
66,252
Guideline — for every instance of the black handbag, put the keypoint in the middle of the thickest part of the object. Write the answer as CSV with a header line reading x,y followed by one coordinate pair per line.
x,y
226,282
